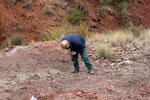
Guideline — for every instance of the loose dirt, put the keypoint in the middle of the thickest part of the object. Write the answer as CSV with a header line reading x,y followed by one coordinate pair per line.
x,y
43,70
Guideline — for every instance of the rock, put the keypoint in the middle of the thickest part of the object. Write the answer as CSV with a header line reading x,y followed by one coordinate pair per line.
x,y
127,62
17,26
28,4
112,65
42,3
97,62
14,51
57,19
93,49
13,3
49,11
89,54
35,77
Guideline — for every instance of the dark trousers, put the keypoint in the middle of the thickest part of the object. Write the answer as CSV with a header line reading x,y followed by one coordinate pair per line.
x,y
85,59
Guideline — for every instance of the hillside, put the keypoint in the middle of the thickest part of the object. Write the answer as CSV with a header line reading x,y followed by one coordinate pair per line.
x,y
15,17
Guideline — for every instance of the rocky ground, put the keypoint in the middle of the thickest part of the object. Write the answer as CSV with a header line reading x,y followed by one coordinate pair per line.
x,y
43,70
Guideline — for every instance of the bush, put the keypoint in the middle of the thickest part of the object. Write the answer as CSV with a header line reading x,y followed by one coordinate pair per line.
x,y
125,5
104,51
17,39
7,35
49,36
6,43
120,38
106,2
136,30
75,17
45,36
82,7
49,11
58,32
82,29
126,19
102,11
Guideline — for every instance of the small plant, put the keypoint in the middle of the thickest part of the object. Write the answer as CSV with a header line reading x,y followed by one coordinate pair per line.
x,y
49,11
82,7
75,17
136,30
104,51
55,35
45,36
126,15
82,29
49,36
106,2
120,38
58,32
7,35
102,11
17,39
6,43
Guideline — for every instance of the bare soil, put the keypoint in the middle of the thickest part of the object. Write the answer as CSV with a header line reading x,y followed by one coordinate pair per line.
x,y
43,70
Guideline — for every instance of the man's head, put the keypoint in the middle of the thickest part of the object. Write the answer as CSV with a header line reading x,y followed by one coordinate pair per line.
x,y
65,44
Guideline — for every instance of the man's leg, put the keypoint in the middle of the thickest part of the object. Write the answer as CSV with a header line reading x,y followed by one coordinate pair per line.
x,y
86,59
74,59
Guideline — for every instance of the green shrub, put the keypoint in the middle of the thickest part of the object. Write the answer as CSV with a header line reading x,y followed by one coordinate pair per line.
x,y
6,43
58,32
125,5
104,51
126,19
136,30
45,36
55,35
82,29
106,2
75,17
17,39
7,35
49,36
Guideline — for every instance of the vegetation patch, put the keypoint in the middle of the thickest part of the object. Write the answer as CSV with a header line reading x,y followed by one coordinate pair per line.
x,y
58,32
104,51
76,17
106,2
12,39
49,11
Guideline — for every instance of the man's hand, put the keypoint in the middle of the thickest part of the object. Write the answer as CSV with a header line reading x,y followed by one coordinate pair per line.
x,y
73,53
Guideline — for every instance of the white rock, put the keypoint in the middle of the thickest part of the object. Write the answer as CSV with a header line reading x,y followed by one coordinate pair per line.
x,y
14,51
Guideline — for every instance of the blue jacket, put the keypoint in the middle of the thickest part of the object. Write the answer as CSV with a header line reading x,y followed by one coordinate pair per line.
x,y
77,42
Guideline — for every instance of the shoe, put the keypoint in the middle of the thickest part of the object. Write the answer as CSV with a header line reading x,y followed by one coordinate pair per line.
x,y
91,72
75,71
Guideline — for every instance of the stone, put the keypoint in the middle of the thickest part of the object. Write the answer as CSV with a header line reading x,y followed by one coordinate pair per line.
x,y
42,3
13,3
